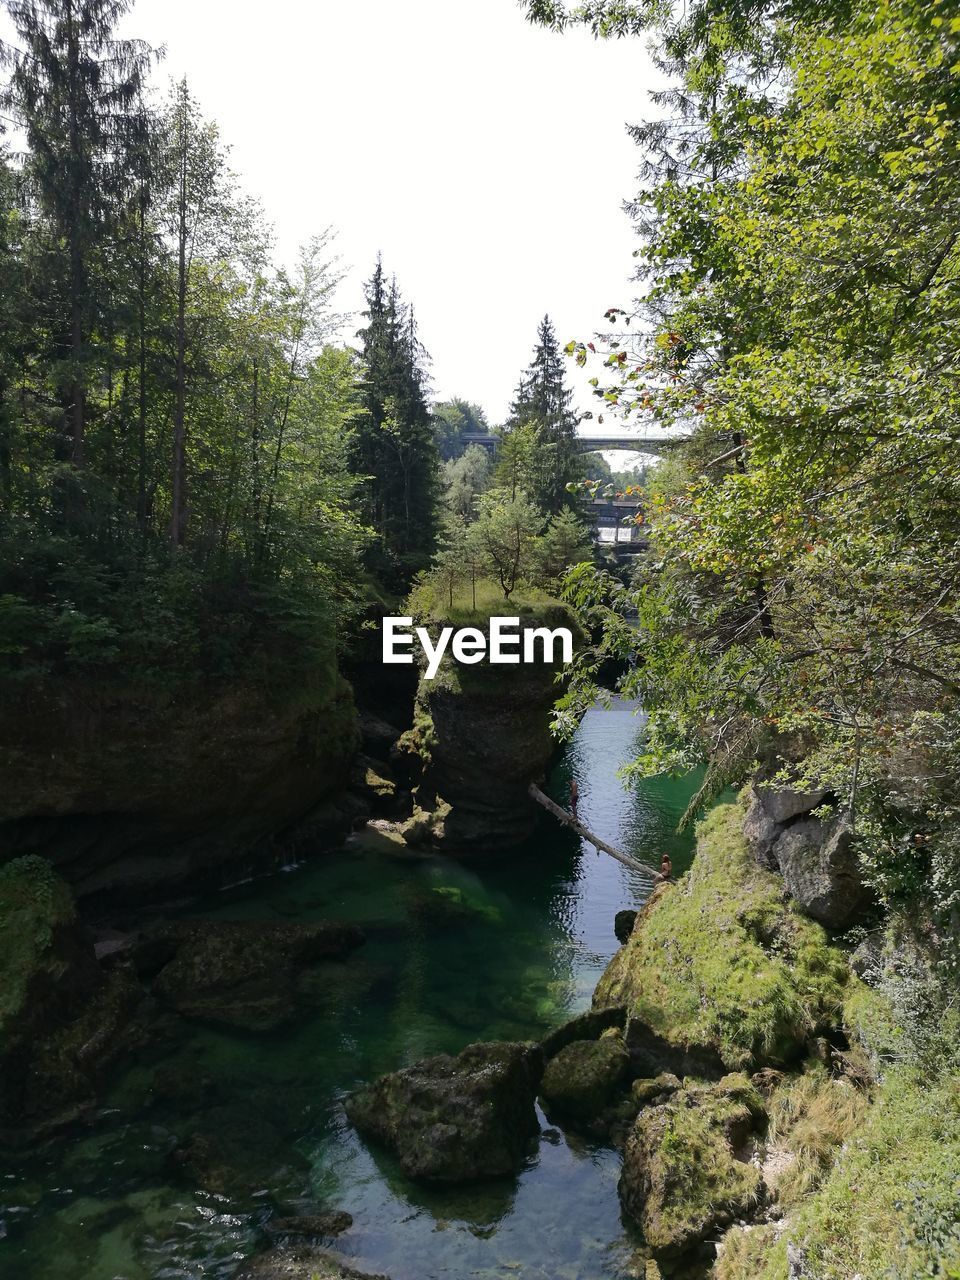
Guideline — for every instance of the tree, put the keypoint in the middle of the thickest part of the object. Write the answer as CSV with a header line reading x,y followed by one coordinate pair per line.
x,y
542,405
77,91
565,543
465,479
394,443
453,420
507,531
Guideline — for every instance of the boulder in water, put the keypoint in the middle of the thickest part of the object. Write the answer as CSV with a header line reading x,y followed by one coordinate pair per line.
x,y
459,1119
585,1078
243,973
62,1018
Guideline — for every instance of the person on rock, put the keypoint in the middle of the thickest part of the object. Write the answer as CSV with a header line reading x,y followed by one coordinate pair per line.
x,y
666,868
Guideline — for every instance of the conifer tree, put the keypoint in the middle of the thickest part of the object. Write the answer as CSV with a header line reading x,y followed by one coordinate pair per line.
x,y
76,91
543,402
394,446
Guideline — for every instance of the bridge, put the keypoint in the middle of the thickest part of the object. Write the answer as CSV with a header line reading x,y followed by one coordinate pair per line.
x,y
591,444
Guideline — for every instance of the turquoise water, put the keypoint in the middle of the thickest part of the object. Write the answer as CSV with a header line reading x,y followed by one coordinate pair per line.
x,y
504,948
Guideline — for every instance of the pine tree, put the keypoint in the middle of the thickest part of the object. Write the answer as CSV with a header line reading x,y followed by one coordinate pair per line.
x,y
543,401
394,445
76,91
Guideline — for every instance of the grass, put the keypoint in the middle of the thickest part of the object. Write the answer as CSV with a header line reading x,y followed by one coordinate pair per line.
x,y
431,603
722,962
812,1116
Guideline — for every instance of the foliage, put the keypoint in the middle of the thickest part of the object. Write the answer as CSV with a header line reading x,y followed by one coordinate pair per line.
x,y
394,446
798,609
175,421
452,421
538,445
465,478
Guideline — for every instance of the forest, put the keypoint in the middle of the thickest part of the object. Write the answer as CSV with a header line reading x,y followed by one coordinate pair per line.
x,y
640,964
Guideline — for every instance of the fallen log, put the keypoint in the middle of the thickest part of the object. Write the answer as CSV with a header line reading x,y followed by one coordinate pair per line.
x,y
569,820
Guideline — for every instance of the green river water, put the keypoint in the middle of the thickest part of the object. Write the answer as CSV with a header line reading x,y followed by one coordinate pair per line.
x,y
455,953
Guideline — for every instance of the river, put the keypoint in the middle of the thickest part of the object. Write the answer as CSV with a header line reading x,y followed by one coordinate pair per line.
x,y
506,949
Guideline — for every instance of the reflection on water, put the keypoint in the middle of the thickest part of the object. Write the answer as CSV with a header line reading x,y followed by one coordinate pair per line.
x,y
455,953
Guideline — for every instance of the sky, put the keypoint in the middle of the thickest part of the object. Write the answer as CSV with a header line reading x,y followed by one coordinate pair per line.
x,y
487,160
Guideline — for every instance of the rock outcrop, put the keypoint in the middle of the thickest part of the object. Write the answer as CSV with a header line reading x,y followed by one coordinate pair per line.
x,y
452,1120
134,795
685,1167
720,970
482,735
62,1018
244,973
813,854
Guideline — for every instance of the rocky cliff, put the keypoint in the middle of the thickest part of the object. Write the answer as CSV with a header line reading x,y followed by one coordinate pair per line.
x,y
131,792
482,735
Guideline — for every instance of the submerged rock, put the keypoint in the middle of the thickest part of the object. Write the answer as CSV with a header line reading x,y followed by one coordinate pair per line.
x,y
455,1119
234,1151
243,973
586,1077
682,1178
315,1226
302,1263
62,1018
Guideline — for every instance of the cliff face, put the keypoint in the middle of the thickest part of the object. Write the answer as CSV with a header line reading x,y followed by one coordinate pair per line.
x,y
133,793
483,735
489,741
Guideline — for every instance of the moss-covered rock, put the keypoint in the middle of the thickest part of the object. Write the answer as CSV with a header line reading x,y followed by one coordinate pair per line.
x,y
586,1078
656,1089
721,964
457,1119
62,1019
246,973
681,1177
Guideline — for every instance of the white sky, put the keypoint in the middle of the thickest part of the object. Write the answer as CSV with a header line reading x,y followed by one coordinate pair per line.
x,y
487,159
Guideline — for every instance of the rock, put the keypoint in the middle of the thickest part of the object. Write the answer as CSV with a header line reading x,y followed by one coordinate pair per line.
x,y
317,1226
377,736
234,1151
821,871
623,924
302,1263
132,793
585,1078
814,855
657,1089
722,971
681,1179
457,1119
585,1026
483,736
63,1019
867,960
243,973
